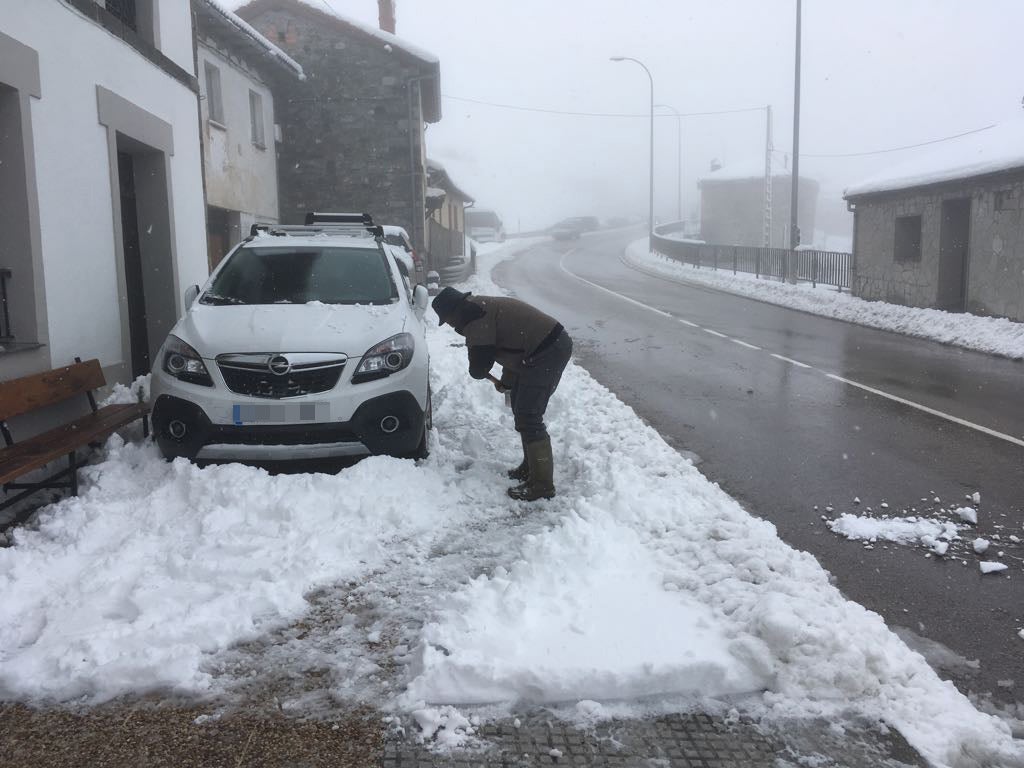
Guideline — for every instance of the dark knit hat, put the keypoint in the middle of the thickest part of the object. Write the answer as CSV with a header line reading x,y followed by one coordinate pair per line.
x,y
447,302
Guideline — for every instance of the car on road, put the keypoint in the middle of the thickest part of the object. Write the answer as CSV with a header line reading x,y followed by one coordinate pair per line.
x,y
484,225
572,228
305,342
398,239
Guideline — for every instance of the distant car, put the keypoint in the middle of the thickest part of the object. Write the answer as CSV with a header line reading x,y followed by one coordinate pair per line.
x,y
398,238
571,229
484,225
305,342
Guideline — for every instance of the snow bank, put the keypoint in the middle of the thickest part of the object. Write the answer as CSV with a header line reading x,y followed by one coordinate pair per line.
x,y
997,336
647,578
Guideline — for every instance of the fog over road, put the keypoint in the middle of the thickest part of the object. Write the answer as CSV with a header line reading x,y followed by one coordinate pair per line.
x,y
767,401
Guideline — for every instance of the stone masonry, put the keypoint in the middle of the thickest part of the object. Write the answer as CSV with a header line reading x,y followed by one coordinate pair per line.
x,y
353,136
995,261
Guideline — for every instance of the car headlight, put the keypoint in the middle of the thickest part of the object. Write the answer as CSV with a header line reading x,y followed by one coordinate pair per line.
x,y
390,356
184,363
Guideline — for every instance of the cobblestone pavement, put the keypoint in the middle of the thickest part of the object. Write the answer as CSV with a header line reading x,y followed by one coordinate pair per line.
x,y
674,741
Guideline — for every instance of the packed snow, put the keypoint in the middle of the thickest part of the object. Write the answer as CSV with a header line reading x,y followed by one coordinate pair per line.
x,y
909,530
641,577
997,336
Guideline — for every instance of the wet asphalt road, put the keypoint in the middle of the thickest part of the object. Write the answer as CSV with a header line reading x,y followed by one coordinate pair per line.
x,y
783,439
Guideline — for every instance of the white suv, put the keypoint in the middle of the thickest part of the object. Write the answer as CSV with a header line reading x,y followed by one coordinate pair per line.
x,y
306,342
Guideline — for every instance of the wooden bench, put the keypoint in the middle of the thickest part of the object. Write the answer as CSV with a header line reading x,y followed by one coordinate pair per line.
x,y
29,394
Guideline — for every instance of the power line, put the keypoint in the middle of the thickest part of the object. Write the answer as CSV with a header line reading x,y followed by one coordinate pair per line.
x,y
896,149
520,108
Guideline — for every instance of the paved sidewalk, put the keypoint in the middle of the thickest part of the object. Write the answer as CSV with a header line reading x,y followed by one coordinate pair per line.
x,y
673,741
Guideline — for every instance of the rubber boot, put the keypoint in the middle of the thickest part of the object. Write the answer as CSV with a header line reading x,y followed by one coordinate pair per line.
x,y
541,484
522,472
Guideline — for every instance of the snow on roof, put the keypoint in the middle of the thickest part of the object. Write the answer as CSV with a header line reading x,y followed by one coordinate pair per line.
x,y
247,29
751,168
999,147
434,192
385,37
440,175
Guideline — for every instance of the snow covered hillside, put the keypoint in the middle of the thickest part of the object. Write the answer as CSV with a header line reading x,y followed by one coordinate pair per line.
x,y
641,578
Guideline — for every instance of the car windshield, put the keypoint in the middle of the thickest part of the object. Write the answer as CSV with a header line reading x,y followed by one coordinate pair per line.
x,y
300,275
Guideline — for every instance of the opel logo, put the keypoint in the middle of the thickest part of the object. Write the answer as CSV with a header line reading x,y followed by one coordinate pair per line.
x,y
279,365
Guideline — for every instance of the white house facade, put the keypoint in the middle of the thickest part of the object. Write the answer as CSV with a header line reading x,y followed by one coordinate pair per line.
x,y
103,219
238,70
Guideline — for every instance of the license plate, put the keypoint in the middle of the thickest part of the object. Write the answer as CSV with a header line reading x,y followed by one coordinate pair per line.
x,y
280,413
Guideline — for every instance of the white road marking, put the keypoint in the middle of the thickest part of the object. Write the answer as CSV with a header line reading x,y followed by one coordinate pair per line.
x,y
903,401
561,265
789,360
932,411
744,344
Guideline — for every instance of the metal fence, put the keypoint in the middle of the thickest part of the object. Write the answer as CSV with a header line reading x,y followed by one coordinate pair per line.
x,y
826,267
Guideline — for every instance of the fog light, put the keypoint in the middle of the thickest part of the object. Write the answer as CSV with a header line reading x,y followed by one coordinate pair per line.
x,y
389,424
177,429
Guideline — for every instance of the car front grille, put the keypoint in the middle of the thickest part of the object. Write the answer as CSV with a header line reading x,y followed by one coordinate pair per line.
x,y
249,375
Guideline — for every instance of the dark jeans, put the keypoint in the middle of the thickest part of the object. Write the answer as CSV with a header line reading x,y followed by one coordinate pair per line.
x,y
534,383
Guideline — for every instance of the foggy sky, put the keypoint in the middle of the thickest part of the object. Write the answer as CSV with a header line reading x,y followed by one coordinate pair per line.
x,y
876,74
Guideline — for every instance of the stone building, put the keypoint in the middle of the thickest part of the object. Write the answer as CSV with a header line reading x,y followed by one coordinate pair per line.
x,y
446,211
946,230
237,68
732,206
353,130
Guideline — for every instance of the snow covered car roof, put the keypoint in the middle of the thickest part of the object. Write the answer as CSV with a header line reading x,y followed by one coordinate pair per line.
x,y
994,149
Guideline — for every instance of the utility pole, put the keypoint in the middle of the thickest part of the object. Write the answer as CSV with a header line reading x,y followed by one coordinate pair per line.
x,y
768,179
679,159
650,208
794,229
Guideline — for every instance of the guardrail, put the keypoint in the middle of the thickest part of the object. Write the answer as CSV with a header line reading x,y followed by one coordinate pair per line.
x,y
813,266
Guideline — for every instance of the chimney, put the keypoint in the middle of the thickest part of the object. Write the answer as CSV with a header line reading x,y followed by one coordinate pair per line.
x,y
386,14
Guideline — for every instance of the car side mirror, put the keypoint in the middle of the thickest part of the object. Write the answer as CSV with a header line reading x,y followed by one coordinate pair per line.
x,y
191,294
420,300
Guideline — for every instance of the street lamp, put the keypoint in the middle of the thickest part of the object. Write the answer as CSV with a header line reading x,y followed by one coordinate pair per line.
x,y
650,215
679,155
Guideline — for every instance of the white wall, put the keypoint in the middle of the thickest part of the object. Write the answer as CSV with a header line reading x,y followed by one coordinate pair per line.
x,y
73,166
239,175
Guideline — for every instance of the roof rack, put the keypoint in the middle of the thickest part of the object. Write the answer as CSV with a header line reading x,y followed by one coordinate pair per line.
x,y
350,224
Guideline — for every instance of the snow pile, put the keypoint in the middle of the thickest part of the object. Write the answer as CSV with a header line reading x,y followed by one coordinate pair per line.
x,y
641,577
998,147
997,336
901,530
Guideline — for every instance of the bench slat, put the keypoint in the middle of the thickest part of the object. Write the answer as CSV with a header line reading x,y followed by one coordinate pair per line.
x,y
37,451
30,393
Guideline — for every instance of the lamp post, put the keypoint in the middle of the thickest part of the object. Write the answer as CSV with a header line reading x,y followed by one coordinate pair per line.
x,y
794,229
679,156
650,208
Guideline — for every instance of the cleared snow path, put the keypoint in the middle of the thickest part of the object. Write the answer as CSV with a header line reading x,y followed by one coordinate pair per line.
x,y
641,577
996,336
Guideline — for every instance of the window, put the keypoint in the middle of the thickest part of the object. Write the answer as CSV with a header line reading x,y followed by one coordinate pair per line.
x,y
123,10
290,276
214,104
256,118
908,238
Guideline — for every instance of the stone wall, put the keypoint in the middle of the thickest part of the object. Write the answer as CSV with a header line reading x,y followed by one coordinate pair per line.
x,y
995,262
346,143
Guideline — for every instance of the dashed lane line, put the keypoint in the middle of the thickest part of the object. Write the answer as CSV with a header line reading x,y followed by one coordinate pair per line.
x,y
849,382
790,360
926,409
745,344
